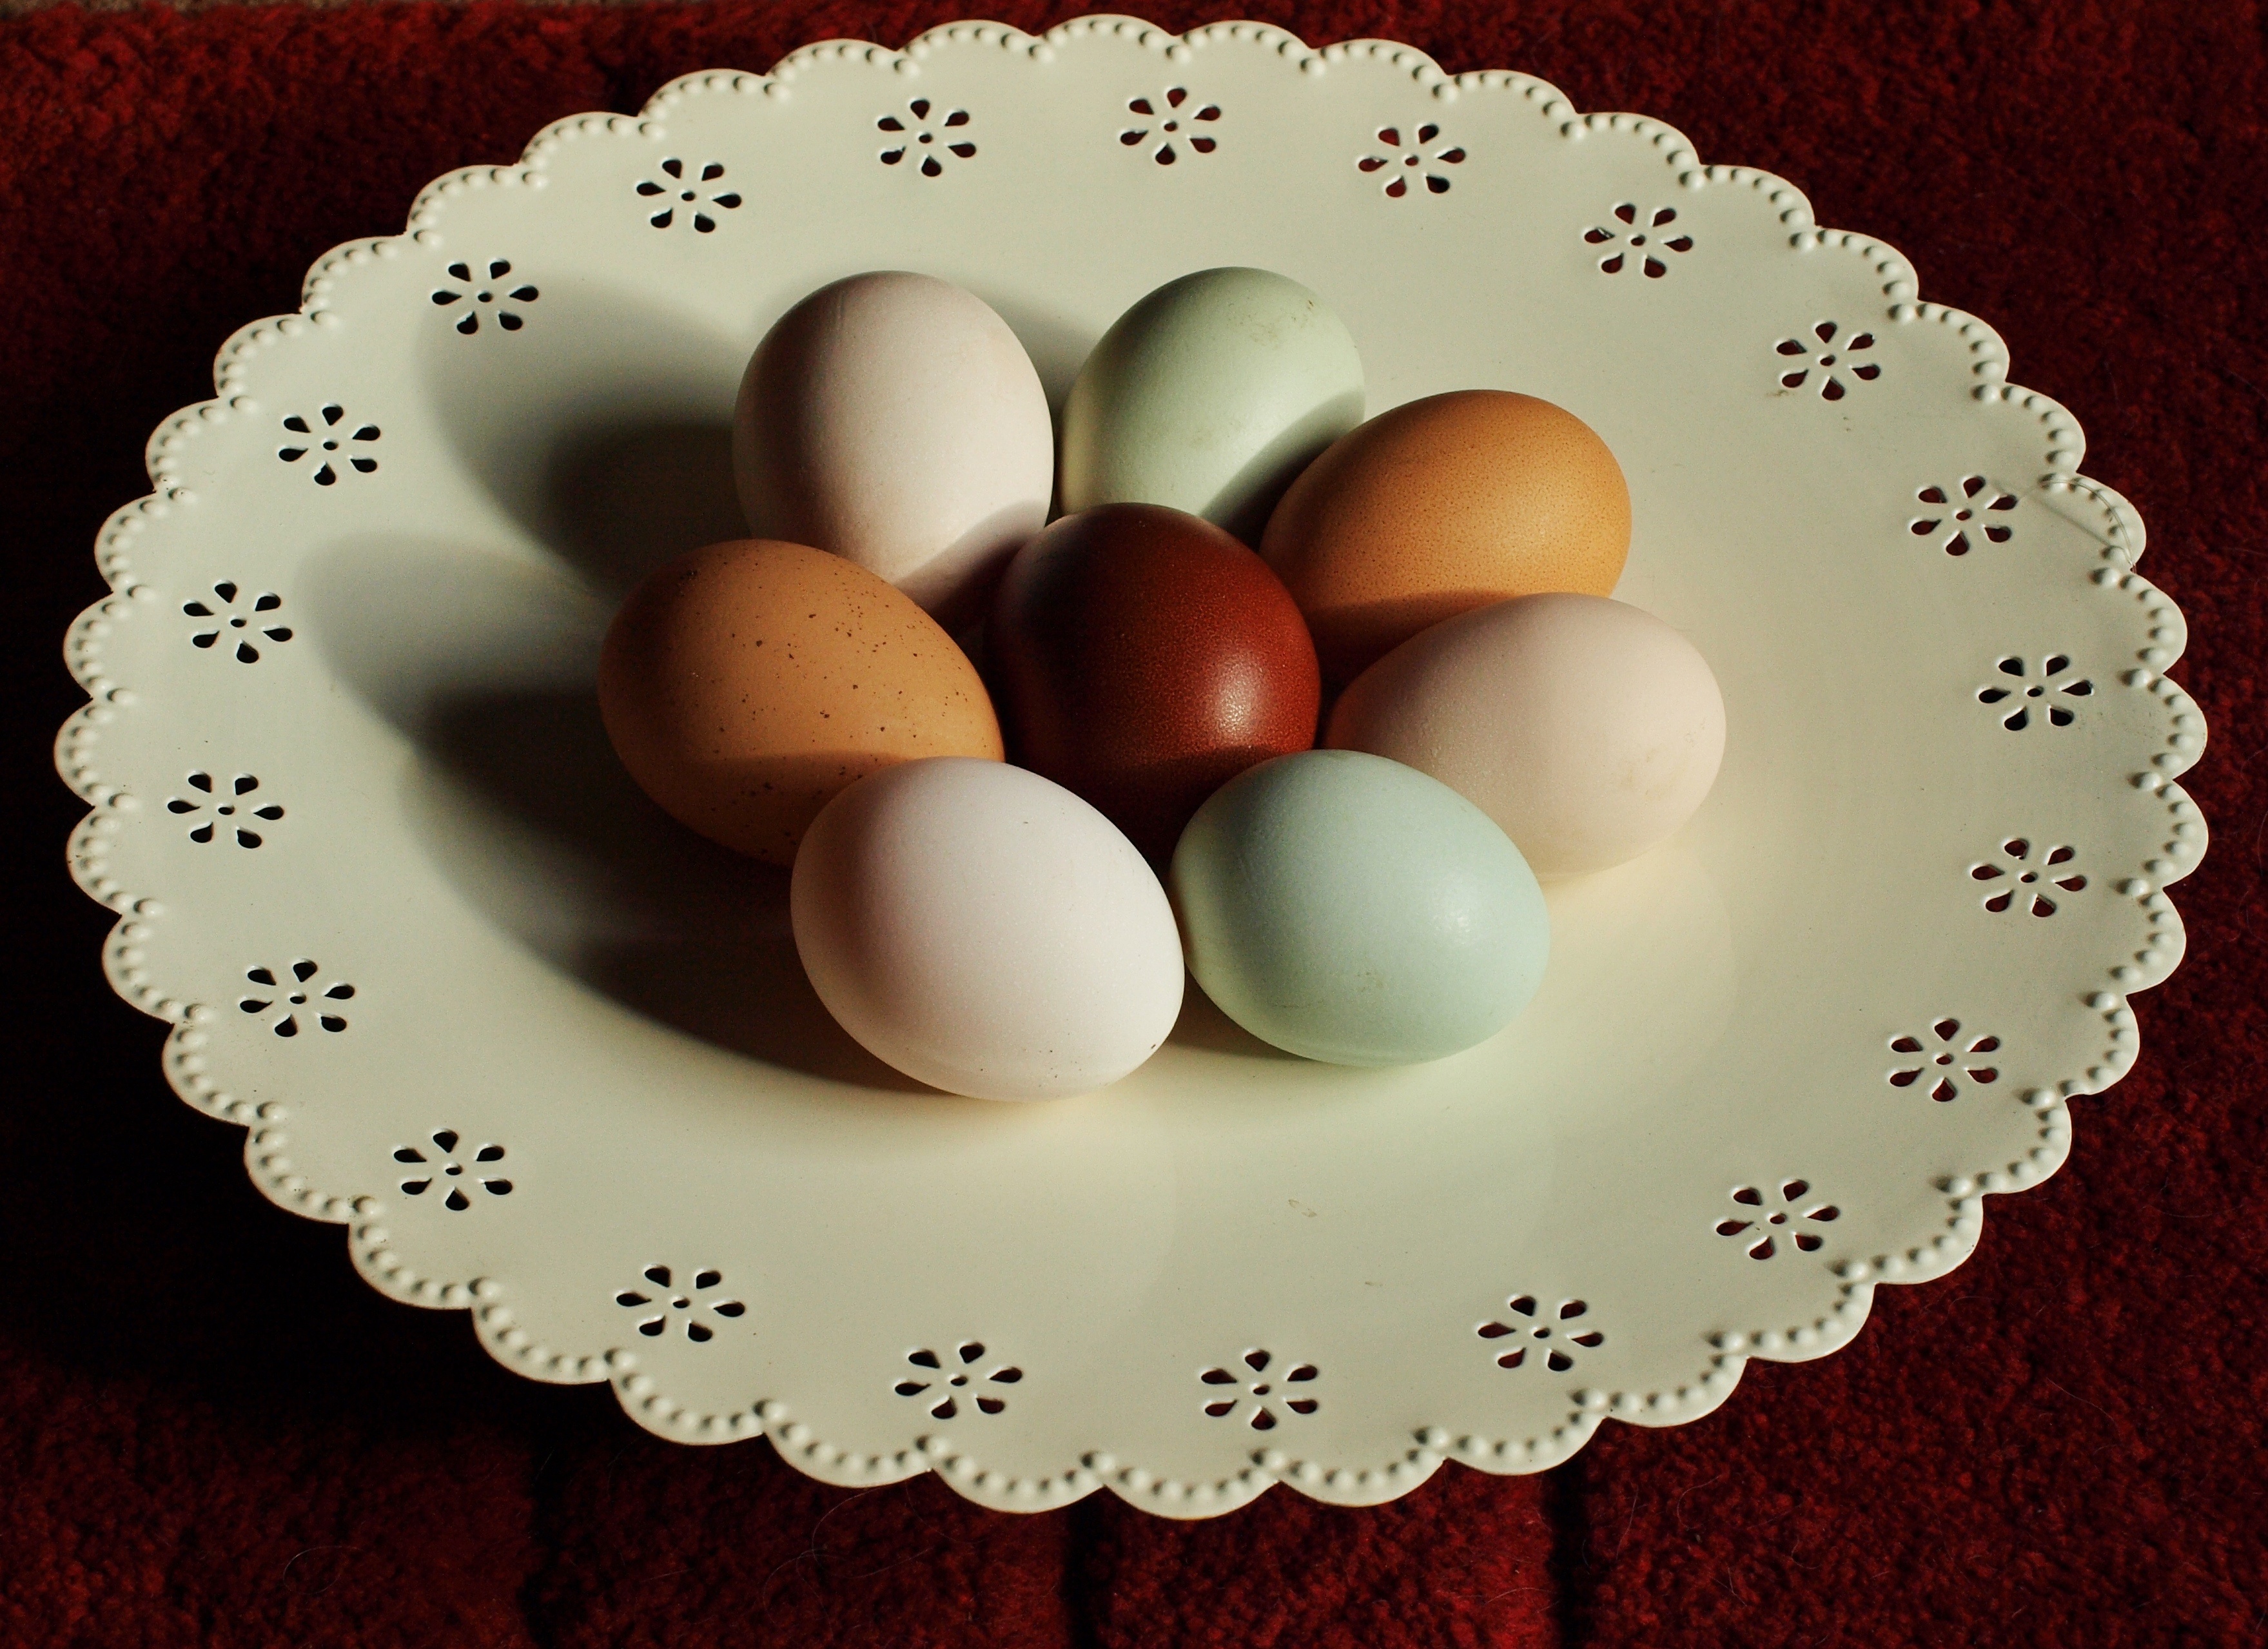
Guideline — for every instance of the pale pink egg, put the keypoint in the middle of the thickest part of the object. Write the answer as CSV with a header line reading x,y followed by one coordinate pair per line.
x,y
895,420
1588,729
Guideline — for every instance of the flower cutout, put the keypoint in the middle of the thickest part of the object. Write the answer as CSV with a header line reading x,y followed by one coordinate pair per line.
x,y
1262,1395
1642,241
688,194
231,807
918,138
325,447
1404,162
292,991
1959,512
1950,1058
228,616
451,1171
1535,1329
1827,357
490,290
693,1306
941,1382
2055,677
1796,1208
1169,118
2026,884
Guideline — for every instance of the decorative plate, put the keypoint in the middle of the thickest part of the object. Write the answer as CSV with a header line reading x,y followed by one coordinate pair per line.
x,y
549,1058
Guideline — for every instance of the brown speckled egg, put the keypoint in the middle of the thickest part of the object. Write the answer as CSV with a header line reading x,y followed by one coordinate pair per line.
x,y
1142,658
745,684
1442,505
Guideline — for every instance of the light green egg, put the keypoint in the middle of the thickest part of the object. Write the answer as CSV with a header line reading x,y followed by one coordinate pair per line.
x,y
1352,909
1212,394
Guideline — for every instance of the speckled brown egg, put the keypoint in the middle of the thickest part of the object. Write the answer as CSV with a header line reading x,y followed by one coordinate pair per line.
x,y
1442,505
1144,658
745,684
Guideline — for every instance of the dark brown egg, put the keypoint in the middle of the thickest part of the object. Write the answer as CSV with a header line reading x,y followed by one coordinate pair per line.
x,y
1142,658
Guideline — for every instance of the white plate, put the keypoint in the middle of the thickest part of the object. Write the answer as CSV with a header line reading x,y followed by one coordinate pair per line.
x,y
556,988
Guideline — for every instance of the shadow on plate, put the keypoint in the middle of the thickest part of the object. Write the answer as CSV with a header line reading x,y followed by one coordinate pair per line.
x,y
484,662
688,932
1203,1026
604,428
622,498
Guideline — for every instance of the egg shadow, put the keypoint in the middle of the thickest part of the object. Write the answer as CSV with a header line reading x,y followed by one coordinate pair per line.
x,y
707,947
620,499
1203,1026
614,451
485,662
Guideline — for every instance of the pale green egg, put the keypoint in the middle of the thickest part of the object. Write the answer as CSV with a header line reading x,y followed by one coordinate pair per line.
x,y
1209,395
1350,908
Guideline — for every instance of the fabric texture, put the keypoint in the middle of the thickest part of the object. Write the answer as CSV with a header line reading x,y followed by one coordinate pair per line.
x,y
212,1433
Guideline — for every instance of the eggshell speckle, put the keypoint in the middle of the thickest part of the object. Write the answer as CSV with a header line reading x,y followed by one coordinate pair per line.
x,y
1441,505
1352,909
1588,729
984,931
1208,395
895,420
745,684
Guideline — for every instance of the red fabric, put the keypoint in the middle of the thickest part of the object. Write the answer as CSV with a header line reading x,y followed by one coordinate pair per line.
x,y
211,1433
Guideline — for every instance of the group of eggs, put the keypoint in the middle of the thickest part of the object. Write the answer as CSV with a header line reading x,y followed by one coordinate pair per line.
x,y
1234,543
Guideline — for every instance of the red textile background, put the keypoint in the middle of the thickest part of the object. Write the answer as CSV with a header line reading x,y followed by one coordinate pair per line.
x,y
211,1433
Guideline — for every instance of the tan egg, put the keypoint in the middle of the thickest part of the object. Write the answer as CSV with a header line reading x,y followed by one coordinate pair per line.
x,y
1442,505
745,684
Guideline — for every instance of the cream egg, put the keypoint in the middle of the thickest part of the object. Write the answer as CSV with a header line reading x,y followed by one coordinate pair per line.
x,y
1588,729
895,420
984,931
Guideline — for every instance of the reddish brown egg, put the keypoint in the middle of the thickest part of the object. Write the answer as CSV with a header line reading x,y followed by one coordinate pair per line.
x,y
1142,658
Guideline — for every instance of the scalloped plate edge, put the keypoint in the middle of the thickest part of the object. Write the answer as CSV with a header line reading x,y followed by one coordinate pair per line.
x,y
270,1167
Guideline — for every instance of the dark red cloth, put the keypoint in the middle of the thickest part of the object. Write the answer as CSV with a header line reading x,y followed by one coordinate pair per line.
x,y
211,1433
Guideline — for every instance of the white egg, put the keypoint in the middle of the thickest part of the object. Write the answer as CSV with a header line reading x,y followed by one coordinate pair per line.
x,y
895,420
984,931
1588,729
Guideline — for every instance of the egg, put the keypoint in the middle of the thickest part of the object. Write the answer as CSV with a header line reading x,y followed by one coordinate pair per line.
x,y
1441,505
745,684
895,420
1587,728
1209,395
1141,658
1350,908
984,931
